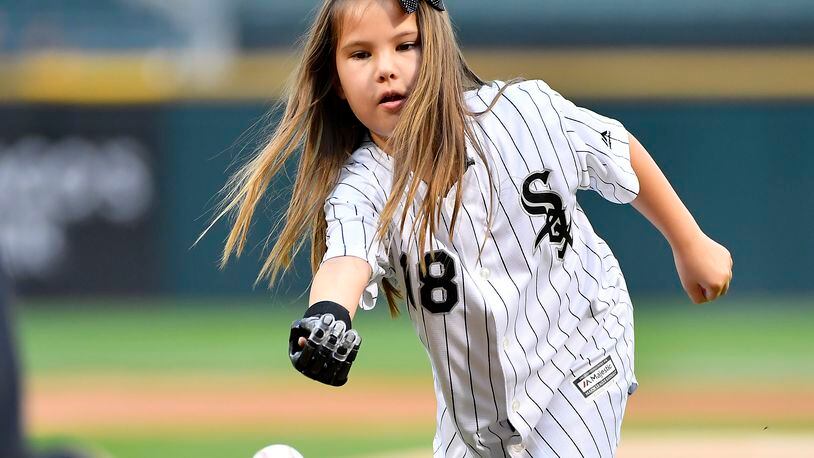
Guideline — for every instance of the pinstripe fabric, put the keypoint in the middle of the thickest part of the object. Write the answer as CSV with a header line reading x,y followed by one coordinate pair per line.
x,y
508,333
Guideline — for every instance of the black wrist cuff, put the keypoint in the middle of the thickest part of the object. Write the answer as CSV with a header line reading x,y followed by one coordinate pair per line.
x,y
340,313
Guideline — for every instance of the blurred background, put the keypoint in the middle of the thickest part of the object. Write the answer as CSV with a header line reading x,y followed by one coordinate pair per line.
x,y
120,120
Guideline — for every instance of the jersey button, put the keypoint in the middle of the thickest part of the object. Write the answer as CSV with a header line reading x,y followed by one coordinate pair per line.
x,y
516,405
505,343
484,273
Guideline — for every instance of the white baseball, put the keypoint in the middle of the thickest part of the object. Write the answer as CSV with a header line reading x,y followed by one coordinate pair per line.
x,y
278,451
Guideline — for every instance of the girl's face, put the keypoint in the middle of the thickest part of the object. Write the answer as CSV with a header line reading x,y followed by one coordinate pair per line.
x,y
377,61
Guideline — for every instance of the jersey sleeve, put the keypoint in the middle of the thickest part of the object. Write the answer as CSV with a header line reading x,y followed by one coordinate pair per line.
x,y
352,216
602,147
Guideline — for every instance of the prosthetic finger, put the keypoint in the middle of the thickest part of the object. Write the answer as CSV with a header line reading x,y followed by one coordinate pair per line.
x,y
336,331
344,356
320,333
328,368
350,341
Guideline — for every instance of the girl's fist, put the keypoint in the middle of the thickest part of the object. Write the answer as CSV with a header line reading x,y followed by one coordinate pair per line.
x,y
704,267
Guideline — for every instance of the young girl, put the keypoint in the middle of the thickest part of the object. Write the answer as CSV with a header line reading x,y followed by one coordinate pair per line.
x,y
460,195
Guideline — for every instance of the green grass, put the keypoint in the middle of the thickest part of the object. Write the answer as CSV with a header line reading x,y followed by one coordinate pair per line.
x,y
748,339
317,443
185,336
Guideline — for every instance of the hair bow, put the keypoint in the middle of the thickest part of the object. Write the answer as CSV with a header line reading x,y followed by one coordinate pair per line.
x,y
411,5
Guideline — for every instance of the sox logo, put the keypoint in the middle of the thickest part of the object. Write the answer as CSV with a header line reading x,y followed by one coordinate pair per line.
x,y
547,204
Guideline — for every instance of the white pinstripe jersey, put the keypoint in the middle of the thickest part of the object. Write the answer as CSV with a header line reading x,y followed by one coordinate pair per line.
x,y
509,333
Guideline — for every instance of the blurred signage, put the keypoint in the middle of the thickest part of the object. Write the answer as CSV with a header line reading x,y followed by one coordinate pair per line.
x,y
77,192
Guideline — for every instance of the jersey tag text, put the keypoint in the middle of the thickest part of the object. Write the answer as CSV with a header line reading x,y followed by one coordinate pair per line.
x,y
590,383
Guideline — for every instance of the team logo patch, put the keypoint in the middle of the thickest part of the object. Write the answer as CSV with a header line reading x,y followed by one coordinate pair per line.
x,y
547,203
590,383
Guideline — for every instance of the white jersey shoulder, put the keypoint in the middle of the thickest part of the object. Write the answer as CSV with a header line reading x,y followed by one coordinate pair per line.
x,y
536,117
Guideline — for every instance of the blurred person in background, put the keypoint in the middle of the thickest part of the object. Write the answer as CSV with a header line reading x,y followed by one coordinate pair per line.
x,y
10,429
12,444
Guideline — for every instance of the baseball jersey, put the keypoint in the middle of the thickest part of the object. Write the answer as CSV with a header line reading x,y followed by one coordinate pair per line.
x,y
531,344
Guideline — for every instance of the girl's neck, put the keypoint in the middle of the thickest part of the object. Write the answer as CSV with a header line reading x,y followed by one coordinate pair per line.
x,y
381,142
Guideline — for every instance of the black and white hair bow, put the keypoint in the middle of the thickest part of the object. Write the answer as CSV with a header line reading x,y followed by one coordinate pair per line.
x,y
411,5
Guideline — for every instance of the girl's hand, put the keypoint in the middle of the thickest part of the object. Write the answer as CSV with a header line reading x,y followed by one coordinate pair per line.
x,y
704,267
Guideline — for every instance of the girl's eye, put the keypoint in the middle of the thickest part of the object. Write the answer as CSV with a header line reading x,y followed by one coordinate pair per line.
x,y
407,46
359,55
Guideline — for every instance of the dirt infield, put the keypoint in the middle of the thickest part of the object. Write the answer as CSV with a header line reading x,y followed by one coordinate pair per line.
x,y
110,402
104,404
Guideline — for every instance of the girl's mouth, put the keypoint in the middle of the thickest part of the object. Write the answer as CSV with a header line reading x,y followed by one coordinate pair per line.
x,y
393,102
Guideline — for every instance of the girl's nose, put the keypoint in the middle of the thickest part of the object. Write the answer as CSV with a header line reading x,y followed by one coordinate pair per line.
x,y
386,69
385,76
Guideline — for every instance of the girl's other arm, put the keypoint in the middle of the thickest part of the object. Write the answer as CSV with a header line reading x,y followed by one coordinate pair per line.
x,y
704,266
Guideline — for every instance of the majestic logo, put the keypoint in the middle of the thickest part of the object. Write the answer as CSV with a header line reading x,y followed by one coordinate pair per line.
x,y
596,377
547,204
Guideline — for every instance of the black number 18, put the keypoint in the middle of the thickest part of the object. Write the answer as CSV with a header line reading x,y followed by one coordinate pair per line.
x,y
442,283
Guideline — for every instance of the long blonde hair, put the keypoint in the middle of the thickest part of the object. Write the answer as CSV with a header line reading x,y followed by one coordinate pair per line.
x,y
321,125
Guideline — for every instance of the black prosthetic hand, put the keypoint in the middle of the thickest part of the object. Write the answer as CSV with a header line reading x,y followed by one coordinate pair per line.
x,y
331,345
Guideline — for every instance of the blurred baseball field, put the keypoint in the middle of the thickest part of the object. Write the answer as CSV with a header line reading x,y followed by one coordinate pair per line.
x,y
145,379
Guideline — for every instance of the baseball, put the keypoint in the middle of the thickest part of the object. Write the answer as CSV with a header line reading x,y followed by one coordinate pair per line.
x,y
278,451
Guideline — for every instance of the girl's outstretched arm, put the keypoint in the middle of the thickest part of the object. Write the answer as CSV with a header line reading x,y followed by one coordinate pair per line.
x,y
703,265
